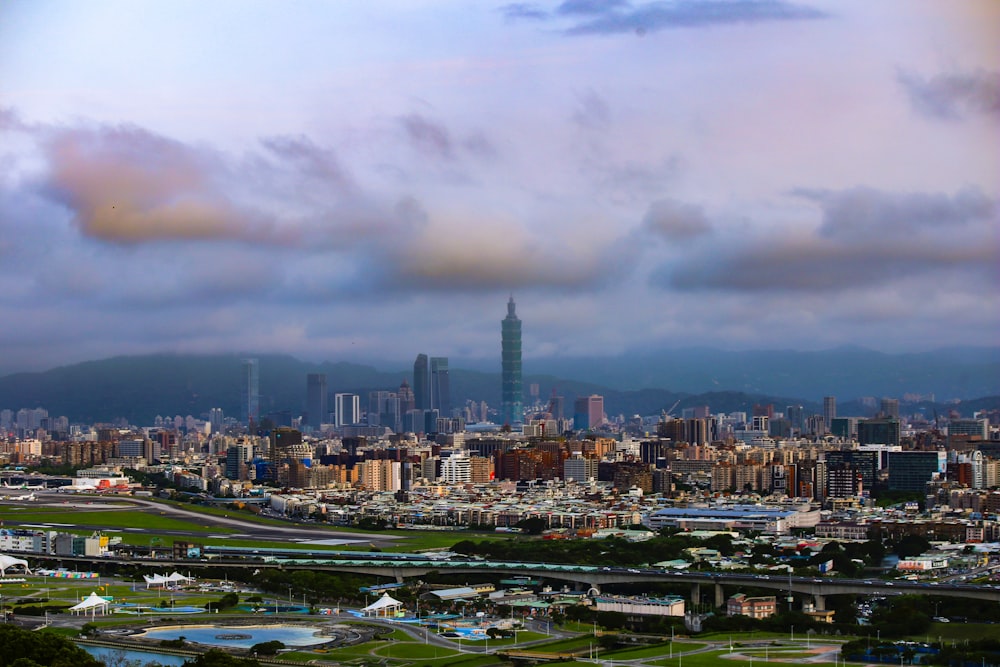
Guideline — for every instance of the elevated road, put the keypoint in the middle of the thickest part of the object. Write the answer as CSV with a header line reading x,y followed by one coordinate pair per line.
x,y
592,577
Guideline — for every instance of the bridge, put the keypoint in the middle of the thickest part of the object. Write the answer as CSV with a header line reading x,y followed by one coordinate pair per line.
x,y
593,577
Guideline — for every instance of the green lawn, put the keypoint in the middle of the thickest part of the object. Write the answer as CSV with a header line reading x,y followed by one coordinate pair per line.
x,y
654,651
151,523
145,521
707,659
570,645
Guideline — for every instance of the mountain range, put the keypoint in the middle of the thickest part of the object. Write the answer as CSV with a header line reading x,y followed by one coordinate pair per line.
x,y
138,388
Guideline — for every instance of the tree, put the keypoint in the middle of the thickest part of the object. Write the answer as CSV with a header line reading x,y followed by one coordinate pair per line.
x,y
532,526
218,658
30,649
267,648
911,545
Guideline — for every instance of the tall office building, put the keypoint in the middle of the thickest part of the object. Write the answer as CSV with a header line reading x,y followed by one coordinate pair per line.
x,y
250,392
796,416
347,409
829,410
588,412
878,431
216,419
421,384
407,400
440,386
316,400
383,410
511,408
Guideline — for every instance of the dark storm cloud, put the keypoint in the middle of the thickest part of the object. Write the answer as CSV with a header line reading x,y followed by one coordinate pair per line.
x,y
651,17
676,220
866,238
953,95
523,10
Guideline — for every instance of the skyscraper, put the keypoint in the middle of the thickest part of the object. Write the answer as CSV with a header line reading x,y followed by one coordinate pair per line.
x,y
421,385
347,408
316,399
250,392
588,412
511,409
829,410
440,386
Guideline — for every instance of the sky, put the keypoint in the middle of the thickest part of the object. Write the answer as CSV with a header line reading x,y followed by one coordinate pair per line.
x,y
357,181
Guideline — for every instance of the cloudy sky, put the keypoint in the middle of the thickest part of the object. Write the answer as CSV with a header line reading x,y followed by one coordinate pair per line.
x,y
364,180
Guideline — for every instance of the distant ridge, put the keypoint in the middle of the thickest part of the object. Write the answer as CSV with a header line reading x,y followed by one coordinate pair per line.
x,y
140,387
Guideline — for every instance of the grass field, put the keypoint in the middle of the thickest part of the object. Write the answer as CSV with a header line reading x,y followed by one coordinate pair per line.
x,y
654,651
152,525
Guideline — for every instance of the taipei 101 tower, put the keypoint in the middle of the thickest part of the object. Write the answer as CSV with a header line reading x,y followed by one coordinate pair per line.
x,y
511,409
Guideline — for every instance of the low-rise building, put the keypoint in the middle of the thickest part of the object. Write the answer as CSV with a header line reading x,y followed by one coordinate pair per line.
x,y
754,607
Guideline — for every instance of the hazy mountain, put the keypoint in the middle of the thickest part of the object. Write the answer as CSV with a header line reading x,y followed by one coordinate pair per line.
x,y
847,372
139,388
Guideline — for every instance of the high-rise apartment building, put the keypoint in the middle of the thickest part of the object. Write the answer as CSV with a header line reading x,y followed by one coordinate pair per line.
x,y
511,402
440,386
316,399
421,384
250,392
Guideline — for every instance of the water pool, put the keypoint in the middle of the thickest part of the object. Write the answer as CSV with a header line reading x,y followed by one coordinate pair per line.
x,y
243,636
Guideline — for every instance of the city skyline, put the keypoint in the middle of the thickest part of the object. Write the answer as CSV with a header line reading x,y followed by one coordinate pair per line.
x,y
347,182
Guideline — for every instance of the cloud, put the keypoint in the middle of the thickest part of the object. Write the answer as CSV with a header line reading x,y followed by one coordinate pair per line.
x,y
866,212
590,7
428,138
952,96
676,221
866,238
126,184
592,111
472,258
516,11
814,265
617,17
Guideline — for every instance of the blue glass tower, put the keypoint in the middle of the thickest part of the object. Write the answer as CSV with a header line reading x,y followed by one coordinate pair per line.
x,y
511,407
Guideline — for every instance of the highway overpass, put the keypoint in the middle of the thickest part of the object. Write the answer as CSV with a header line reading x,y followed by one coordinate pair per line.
x,y
589,576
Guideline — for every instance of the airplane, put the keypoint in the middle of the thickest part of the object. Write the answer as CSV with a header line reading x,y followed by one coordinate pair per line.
x,y
28,496
25,485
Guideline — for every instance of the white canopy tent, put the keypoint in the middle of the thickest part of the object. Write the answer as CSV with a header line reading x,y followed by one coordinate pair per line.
x,y
165,581
384,606
10,561
92,603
